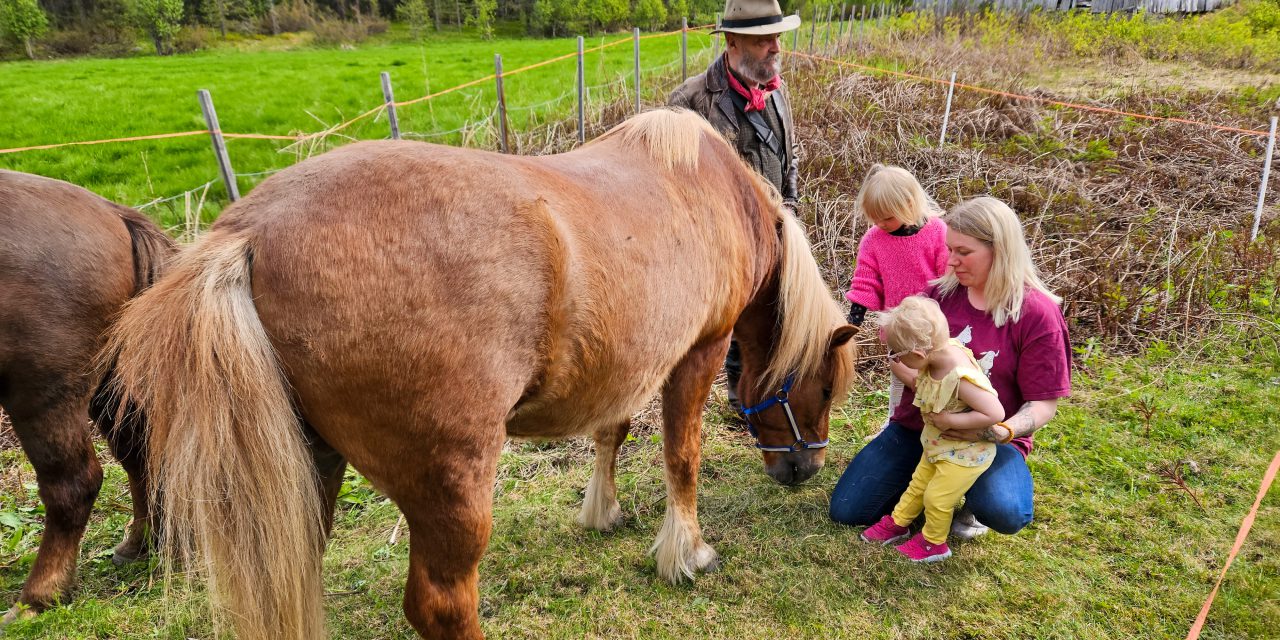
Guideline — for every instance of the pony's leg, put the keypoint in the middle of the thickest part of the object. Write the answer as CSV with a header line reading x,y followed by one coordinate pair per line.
x,y
57,442
126,442
331,466
448,506
600,509
679,550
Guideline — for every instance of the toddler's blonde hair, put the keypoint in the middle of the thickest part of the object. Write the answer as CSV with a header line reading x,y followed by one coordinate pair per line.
x,y
916,323
890,191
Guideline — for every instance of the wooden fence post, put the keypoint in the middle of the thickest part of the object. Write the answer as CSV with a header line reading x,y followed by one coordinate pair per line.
x,y
390,101
219,145
502,102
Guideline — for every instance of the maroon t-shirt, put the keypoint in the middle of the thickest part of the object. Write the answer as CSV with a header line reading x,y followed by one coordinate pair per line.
x,y
1026,360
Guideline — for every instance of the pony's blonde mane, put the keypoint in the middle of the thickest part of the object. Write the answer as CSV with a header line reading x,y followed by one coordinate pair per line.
x,y
673,136
808,314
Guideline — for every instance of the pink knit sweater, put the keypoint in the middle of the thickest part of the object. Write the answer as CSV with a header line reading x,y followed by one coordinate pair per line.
x,y
891,268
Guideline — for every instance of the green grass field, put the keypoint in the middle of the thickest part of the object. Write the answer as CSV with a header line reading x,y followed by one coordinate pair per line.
x,y
301,90
1114,551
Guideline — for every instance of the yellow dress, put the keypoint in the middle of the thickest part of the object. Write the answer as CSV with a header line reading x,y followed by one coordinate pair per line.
x,y
943,396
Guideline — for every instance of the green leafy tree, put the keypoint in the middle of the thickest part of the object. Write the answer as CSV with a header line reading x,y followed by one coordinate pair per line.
x,y
603,13
649,14
677,9
482,17
23,20
417,15
161,19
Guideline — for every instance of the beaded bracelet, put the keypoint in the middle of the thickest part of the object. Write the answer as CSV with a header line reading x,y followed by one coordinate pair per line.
x,y
1006,428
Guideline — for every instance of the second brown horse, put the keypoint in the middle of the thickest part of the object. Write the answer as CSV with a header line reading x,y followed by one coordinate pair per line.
x,y
406,307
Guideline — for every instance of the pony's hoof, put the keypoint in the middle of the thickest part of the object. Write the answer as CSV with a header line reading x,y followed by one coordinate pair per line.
x,y
604,520
120,559
706,560
132,549
15,613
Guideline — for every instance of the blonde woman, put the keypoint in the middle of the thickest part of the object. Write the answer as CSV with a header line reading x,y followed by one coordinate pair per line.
x,y
997,306
905,249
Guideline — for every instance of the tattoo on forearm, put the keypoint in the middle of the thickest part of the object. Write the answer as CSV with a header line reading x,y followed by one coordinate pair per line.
x,y
1023,422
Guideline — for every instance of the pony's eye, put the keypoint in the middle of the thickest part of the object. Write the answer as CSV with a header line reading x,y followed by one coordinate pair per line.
x,y
826,394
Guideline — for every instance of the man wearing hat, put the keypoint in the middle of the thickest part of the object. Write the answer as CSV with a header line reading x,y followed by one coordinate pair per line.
x,y
742,96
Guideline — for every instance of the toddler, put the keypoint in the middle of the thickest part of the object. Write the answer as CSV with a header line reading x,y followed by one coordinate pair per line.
x,y
904,249
950,388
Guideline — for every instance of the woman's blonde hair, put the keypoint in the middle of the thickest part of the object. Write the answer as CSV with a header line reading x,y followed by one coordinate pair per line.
x,y
916,323
1012,272
893,192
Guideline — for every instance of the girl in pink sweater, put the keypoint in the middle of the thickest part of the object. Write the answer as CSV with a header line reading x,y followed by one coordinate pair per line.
x,y
904,249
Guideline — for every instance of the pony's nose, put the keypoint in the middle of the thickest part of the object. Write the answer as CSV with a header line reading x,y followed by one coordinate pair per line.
x,y
793,468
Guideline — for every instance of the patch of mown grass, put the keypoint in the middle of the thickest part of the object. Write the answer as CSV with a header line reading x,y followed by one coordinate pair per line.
x,y
1113,551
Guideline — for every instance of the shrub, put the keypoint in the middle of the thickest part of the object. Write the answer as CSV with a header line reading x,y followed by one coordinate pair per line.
x,y
293,17
102,39
335,32
193,38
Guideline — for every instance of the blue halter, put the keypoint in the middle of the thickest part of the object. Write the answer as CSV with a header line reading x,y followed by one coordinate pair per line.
x,y
780,398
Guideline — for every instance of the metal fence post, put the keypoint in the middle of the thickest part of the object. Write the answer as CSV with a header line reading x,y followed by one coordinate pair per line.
x,y
390,101
219,145
826,31
684,49
946,116
813,28
1266,173
635,38
502,102
582,90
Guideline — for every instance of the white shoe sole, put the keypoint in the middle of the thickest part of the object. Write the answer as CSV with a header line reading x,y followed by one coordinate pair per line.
x,y
938,558
895,540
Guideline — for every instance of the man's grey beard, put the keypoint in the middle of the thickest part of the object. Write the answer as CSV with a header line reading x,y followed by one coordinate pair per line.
x,y
760,71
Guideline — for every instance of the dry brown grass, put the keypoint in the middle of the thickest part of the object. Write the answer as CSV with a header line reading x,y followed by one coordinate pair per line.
x,y
8,439
1141,226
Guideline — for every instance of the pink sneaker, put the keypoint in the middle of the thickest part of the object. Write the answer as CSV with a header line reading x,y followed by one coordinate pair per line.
x,y
917,549
885,532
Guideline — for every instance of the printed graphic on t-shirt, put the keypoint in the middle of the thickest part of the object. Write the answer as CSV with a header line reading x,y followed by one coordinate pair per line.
x,y
988,359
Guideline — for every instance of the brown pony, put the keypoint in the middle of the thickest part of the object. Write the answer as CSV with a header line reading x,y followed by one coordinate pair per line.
x,y
406,307
68,261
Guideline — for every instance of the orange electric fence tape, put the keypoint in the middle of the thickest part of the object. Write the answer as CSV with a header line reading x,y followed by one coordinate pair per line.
x,y
157,136
1071,105
343,125
1245,525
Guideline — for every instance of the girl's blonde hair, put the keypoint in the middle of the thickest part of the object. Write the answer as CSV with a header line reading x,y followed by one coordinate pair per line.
x,y
893,192
916,323
1012,272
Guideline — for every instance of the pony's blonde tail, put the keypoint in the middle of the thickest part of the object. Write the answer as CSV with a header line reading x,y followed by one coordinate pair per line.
x,y
239,499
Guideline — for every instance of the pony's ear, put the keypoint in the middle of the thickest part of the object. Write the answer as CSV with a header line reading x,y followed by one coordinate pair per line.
x,y
841,335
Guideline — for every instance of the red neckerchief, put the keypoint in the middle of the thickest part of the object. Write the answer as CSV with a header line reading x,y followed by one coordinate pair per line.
x,y
755,96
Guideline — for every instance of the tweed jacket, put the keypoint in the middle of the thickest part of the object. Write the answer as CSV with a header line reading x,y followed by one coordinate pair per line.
x,y
708,94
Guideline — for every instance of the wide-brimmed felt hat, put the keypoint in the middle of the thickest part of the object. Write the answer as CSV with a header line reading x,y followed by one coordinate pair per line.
x,y
755,17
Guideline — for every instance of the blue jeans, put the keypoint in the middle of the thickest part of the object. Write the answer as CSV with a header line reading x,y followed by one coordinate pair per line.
x,y
879,474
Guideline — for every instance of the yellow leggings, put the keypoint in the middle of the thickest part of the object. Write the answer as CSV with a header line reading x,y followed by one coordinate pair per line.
x,y
936,488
